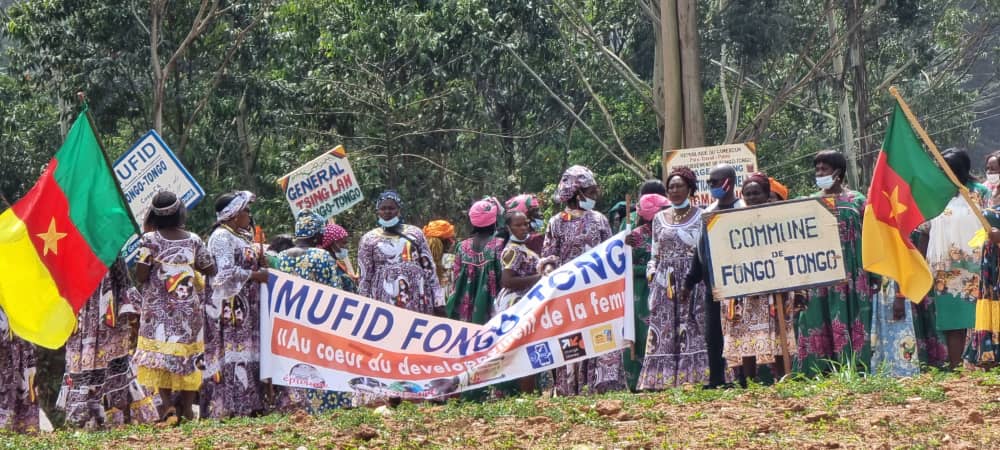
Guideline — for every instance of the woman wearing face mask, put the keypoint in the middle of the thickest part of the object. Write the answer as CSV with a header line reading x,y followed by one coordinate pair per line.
x,y
396,264
335,241
750,324
836,322
231,385
531,207
570,233
984,346
655,195
477,267
951,305
676,350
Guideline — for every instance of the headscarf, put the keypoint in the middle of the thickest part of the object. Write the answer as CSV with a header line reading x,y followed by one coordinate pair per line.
x,y
760,179
484,213
308,224
650,204
687,175
573,180
522,203
779,189
240,200
390,195
332,233
440,229
168,210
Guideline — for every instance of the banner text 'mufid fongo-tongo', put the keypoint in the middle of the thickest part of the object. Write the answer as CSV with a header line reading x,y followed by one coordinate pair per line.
x,y
315,336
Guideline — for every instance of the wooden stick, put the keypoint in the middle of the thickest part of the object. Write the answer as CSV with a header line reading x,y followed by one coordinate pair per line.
x,y
628,211
937,156
780,310
3,198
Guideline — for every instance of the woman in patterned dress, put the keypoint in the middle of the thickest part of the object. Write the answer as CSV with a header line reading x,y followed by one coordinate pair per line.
x,y
335,241
477,267
309,261
955,265
835,325
170,269
641,241
99,387
18,398
440,236
570,233
231,385
676,350
396,264
750,324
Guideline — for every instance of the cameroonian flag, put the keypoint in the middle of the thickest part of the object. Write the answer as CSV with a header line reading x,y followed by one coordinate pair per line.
x,y
907,190
58,240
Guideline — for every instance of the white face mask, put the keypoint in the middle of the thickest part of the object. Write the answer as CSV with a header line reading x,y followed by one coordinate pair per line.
x,y
824,182
684,204
341,253
993,178
587,204
388,223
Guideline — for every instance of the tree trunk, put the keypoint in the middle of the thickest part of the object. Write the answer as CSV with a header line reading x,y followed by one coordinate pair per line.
x,y
673,111
843,104
694,119
856,41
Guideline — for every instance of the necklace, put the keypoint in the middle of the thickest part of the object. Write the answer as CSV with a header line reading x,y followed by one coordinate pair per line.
x,y
681,217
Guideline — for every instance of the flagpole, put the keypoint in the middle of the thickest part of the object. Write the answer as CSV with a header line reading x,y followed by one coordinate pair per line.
x,y
97,136
937,156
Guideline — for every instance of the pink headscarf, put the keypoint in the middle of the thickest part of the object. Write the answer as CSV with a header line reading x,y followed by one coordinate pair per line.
x,y
522,203
650,204
484,213
332,233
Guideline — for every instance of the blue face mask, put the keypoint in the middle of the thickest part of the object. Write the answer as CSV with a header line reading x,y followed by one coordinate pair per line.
x,y
718,192
341,253
537,224
388,223
686,203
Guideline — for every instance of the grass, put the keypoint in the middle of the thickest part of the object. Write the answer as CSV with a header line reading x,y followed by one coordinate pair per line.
x,y
421,425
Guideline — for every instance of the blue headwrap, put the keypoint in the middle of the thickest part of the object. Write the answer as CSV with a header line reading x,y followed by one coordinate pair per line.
x,y
308,224
390,195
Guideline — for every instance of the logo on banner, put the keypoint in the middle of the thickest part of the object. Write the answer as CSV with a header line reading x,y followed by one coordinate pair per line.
x,y
540,355
488,371
305,375
573,346
603,337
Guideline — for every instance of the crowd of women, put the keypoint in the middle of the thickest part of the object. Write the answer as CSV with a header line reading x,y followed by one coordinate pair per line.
x,y
185,331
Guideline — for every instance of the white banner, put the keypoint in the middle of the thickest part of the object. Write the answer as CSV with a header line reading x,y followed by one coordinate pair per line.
x,y
318,337
776,247
145,169
326,185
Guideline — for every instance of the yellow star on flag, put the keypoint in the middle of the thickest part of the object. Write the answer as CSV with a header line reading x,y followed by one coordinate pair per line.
x,y
897,207
51,238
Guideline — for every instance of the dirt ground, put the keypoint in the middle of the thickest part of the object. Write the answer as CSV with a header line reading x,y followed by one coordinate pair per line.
x,y
953,412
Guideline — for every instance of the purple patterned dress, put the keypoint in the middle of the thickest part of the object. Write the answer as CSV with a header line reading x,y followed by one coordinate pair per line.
x,y
100,387
676,351
231,385
171,347
523,261
569,235
399,270
18,401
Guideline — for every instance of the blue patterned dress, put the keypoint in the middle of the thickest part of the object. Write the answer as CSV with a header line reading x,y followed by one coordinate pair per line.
x,y
319,266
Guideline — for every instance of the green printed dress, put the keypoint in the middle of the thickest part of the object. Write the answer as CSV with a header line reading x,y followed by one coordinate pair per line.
x,y
835,325
640,299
